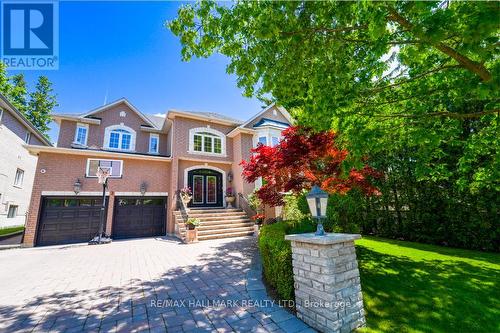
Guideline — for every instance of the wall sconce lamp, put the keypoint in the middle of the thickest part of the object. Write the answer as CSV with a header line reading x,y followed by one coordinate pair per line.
x,y
230,176
143,188
77,186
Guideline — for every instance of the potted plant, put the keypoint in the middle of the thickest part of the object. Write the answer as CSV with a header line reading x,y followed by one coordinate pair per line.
x,y
258,218
186,195
230,198
191,231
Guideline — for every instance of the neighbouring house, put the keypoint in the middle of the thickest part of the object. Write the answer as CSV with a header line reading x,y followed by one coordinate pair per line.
x,y
151,157
17,165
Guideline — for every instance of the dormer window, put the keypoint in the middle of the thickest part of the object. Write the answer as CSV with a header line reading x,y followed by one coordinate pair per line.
x,y
81,134
207,141
153,143
119,137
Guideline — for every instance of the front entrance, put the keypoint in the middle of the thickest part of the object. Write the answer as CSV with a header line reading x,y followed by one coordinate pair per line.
x,y
207,189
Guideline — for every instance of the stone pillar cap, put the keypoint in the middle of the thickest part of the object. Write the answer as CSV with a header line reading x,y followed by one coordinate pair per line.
x,y
328,239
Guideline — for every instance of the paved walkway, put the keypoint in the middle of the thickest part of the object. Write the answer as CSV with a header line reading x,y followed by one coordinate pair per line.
x,y
143,285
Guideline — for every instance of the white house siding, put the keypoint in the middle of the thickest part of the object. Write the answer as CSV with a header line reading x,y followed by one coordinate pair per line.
x,y
12,156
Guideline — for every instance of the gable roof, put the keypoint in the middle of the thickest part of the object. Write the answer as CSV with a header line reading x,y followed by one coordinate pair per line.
x,y
242,127
211,116
270,122
119,101
22,119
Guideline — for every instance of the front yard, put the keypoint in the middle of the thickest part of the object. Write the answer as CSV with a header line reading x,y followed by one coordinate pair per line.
x,y
412,287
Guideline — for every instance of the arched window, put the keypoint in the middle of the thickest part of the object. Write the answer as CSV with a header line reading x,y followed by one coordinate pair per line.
x,y
120,138
207,141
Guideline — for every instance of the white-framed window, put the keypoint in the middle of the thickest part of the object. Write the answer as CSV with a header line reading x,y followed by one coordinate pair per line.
x,y
18,180
12,211
263,140
119,137
267,136
81,134
154,142
27,137
115,167
274,141
207,141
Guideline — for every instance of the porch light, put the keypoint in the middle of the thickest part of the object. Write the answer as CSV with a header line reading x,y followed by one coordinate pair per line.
x,y
317,200
143,188
77,186
230,176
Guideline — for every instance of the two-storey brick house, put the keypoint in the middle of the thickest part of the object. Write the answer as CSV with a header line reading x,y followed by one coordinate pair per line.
x,y
150,158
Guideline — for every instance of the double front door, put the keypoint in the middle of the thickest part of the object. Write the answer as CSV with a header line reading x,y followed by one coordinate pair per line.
x,y
207,188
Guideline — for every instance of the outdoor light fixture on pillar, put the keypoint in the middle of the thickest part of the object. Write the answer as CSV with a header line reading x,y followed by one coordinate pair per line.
x,y
317,200
143,188
230,176
77,186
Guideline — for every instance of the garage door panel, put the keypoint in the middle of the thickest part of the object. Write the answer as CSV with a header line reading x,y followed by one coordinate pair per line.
x,y
139,217
68,220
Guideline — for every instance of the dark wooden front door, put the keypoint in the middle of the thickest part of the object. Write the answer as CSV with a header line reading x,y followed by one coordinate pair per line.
x,y
207,189
139,217
67,220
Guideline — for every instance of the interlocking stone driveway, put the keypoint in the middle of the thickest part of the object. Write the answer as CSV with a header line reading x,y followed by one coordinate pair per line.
x,y
150,285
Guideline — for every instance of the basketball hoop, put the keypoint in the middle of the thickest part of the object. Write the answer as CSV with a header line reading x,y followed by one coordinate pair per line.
x,y
103,174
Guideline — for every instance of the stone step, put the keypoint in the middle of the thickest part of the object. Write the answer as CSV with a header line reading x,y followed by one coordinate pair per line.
x,y
213,210
216,228
210,217
224,231
222,222
227,235
203,215
204,230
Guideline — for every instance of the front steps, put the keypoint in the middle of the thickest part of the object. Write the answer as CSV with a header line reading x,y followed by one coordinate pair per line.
x,y
216,223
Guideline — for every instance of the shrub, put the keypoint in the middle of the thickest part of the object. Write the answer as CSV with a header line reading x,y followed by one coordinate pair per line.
x,y
276,255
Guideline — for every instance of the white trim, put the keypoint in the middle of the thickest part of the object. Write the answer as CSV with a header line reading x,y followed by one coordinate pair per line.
x,y
192,159
283,111
71,193
157,136
81,125
34,150
138,194
210,168
219,134
107,135
57,118
102,159
127,103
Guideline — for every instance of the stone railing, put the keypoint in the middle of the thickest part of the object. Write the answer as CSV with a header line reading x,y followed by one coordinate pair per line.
x,y
182,207
245,205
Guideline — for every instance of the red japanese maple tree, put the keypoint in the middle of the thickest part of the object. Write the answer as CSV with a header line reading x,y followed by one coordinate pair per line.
x,y
304,158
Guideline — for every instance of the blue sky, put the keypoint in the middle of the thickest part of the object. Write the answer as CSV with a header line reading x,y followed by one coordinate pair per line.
x,y
122,49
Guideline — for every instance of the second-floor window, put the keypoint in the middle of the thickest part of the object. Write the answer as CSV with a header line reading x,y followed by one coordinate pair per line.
x,y
153,143
207,141
119,138
18,181
81,134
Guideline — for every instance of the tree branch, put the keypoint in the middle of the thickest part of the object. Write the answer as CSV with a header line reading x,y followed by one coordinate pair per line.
x,y
440,114
467,63
324,29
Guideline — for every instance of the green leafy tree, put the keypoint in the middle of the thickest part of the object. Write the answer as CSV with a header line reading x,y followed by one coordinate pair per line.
x,y
5,86
18,92
42,102
412,84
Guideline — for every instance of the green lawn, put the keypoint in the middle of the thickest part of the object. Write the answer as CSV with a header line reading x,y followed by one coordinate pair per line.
x,y
9,230
412,287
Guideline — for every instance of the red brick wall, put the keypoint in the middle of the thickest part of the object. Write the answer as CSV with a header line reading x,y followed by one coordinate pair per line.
x,y
62,170
110,117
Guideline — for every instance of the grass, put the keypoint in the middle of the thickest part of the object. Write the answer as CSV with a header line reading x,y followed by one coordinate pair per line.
x,y
412,287
9,230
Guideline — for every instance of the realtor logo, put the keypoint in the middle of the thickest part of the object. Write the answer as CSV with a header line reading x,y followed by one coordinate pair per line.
x,y
30,34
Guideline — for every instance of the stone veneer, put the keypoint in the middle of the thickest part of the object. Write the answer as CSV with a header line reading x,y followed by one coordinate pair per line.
x,y
327,284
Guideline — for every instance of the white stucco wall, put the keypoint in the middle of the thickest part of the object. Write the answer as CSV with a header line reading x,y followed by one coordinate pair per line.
x,y
12,156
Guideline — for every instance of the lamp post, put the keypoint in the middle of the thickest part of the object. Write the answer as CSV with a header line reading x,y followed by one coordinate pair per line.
x,y
317,200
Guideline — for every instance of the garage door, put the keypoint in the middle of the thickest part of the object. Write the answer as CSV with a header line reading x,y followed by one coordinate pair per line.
x,y
139,217
68,220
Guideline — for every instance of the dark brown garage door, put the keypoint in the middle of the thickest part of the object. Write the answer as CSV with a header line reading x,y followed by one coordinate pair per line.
x,y
68,220
139,217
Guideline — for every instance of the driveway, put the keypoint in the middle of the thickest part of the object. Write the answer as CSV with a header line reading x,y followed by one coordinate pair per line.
x,y
141,285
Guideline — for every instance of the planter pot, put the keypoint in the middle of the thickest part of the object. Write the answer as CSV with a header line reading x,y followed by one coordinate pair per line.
x,y
230,200
191,236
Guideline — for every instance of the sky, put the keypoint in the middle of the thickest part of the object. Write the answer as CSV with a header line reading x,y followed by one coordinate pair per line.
x,y
109,50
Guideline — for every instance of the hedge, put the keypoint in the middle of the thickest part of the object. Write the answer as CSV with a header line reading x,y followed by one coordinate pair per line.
x,y
276,255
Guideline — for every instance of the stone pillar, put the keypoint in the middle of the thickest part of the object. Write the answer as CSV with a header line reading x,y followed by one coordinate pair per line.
x,y
327,284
